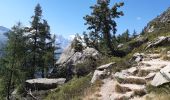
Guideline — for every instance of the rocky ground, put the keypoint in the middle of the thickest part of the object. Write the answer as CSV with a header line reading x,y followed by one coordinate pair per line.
x,y
131,83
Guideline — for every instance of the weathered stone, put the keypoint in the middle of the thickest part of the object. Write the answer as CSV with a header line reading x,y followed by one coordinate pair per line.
x,y
132,70
121,75
69,56
166,72
107,66
158,80
66,55
98,75
44,83
160,41
137,57
102,71
120,45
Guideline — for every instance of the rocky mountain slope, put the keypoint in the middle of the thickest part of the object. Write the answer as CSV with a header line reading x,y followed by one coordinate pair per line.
x,y
88,75
160,23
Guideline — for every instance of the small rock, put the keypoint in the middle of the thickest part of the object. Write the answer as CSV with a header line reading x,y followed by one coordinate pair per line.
x,y
137,57
120,45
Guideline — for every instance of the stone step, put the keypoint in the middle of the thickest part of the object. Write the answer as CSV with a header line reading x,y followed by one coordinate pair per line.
x,y
154,56
122,96
131,79
133,87
132,70
145,70
150,76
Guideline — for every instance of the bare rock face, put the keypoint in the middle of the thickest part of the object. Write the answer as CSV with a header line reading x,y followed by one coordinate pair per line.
x,y
69,60
67,53
160,41
44,83
77,57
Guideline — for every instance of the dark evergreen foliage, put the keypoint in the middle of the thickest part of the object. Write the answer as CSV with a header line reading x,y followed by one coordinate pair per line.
x,y
102,25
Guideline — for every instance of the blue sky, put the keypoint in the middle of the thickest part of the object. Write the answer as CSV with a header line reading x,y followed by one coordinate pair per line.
x,y
66,16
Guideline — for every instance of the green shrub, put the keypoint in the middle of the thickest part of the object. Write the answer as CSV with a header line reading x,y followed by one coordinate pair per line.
x,y
82,69
73,90
165,88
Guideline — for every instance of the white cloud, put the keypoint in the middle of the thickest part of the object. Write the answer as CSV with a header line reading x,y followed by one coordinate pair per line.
x,y
138,18
71,37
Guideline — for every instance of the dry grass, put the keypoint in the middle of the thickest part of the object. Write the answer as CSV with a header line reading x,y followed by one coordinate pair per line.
x,y
93,91
157,97
143,73
165,57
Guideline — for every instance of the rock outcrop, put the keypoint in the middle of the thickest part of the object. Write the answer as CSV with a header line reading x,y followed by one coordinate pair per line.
x,y
77,57
102,72
69,60
43,83
160,41
159,23
137,42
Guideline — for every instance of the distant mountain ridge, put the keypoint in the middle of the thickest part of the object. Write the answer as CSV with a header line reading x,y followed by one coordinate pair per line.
x,y
3,30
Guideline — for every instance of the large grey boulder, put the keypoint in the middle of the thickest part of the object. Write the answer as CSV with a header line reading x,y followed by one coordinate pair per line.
x,y
43,83
162,77
160,41
77,57
66,55
158,80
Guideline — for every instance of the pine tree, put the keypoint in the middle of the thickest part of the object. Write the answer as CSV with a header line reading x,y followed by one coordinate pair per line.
x,y
126,36
101,23
14,60
134,35
40,43
36,24
77,44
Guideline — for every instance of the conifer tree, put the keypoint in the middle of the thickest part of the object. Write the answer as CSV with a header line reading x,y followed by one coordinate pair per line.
x,y
101,23
14,60
126,36
134,34
40,43
77,43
